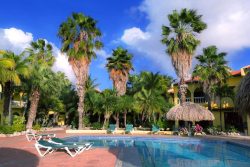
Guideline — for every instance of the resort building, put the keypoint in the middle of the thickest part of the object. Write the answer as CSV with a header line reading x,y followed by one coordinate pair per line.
x,y
222,107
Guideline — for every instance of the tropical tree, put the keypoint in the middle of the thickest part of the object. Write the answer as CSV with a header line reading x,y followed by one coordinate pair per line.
x,y
181,42
41,60
5,65
108,102
119,66
212,70
80,36
15,74
149,103
125,104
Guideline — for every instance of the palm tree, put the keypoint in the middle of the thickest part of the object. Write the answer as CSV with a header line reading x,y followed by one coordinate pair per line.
x,y
119,66
5,65
20,70
41,61
125,104
180,39
211,70
108,102
80,36
149,103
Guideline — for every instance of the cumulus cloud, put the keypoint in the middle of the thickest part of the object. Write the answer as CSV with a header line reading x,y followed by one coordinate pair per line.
x,y
228,26
14,39
17,40
134,35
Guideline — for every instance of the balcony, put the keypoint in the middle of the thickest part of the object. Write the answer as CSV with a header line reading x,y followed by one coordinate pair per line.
x,y
200,100
18,104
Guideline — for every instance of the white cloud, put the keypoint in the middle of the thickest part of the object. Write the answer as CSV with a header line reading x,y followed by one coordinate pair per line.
x,y
103,55
62,64
17,40
227,20
134,35
14,39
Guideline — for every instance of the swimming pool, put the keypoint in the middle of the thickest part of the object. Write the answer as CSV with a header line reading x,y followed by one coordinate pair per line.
x,y
172,152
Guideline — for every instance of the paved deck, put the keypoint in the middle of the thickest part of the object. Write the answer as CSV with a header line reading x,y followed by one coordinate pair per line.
x,y
18,152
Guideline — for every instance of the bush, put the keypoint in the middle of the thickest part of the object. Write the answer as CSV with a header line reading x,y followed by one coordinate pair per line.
x,y
37,127
6,129
232,129
96,126
86,121
18,124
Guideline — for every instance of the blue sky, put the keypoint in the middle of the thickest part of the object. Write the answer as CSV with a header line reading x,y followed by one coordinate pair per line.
x,y
134,24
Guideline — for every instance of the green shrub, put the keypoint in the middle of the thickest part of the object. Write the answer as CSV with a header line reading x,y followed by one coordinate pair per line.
x,y
162,123
232,129
18,124
37,127
6,129
86,121
96,126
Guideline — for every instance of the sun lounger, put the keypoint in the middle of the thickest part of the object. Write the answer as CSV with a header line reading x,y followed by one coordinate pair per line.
x,y
48,147
56,140
129,128
112,128
155,129
30,136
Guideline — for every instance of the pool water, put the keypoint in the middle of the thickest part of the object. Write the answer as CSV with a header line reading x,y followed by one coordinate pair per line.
x,y
176,152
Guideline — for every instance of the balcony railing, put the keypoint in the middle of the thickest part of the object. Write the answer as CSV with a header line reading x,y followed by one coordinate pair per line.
x,y
18,104
199,100
196,100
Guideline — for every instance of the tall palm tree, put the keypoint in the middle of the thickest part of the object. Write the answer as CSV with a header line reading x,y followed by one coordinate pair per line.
x,y
80,36
20,70
41,61
119,66
181,42
211,70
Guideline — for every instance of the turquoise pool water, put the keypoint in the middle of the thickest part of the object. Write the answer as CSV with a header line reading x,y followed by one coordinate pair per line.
x,y
175,152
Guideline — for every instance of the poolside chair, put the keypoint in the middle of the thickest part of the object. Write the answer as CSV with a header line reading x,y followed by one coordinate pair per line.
x,y
129,128
30,136
155,129
48,147
56,140
112,128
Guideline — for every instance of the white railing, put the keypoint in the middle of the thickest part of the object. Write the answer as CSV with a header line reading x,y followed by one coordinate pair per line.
x,y
188,99
199,100
18,104
196,100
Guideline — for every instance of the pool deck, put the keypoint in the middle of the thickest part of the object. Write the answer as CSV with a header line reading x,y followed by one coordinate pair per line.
x,y
17,151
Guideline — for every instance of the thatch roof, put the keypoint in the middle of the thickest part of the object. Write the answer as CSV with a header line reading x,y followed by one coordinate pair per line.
x,y
242,102
190,112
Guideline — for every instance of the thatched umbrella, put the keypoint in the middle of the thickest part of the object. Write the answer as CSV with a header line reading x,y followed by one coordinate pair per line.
x,y
189,111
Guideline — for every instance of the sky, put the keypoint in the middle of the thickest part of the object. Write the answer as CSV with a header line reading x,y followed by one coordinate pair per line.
x,y
132,24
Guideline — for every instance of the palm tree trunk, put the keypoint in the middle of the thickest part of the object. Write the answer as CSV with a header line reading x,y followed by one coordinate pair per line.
x,y
125,118
182,91
116,118
99,118
106,120
209,102
81,70
8,90
34,98
80,109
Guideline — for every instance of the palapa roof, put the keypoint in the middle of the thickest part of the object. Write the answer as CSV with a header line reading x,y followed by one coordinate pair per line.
x,y
190,112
